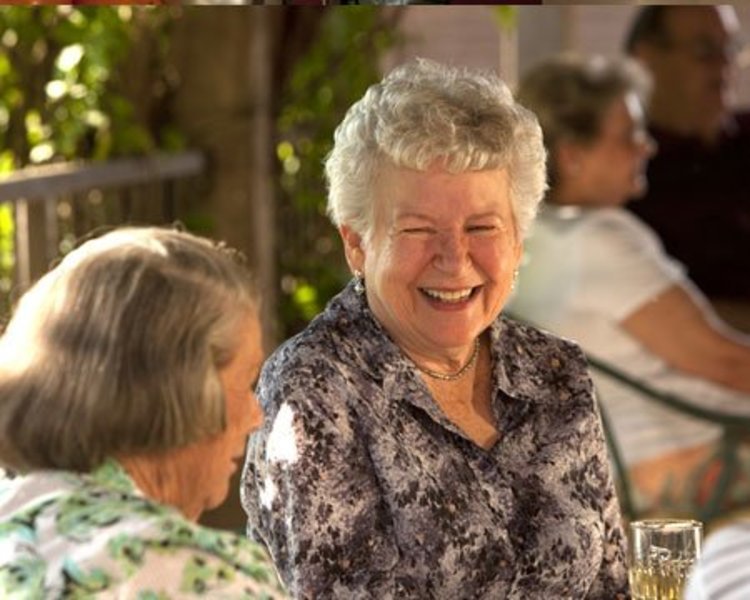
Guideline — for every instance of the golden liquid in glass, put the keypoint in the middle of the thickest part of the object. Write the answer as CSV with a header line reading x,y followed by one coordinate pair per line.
x,y
662,582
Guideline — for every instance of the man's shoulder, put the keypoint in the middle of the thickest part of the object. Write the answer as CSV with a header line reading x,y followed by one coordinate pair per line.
x,y
736,126
742,120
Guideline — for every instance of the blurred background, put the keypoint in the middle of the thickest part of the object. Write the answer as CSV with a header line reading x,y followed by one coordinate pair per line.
x,y
219,117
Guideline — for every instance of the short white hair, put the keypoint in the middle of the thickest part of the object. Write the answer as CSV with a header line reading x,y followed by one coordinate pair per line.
x,y
423,112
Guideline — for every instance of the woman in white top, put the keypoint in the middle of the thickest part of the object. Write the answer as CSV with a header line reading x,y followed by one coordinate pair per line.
x,y
721,572
597,274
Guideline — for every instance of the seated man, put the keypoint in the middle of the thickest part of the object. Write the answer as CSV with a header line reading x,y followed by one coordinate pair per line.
x,y
699,180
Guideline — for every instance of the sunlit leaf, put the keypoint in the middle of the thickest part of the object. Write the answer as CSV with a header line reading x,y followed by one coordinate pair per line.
x,y
55,89
42,152
4,65
125,12
291,165
284,150
69,57
9,38
96,118
6,162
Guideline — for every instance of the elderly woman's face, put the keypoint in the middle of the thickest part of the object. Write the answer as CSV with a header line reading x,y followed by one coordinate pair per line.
x,y
441,260
212,462
612,169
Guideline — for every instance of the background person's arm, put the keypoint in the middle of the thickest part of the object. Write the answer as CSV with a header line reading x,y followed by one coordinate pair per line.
x,y
680,328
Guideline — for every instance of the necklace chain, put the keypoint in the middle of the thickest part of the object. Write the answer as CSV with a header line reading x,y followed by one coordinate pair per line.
x,y
458,374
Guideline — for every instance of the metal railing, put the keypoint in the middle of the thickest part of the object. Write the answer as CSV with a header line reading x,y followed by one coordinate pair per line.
x,y
53,205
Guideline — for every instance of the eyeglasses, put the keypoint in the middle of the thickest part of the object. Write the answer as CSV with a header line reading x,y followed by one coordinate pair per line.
x,y
708,51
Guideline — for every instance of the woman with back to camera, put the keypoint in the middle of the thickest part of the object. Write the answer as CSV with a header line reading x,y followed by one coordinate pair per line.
x,y
598,275
419,445
126,396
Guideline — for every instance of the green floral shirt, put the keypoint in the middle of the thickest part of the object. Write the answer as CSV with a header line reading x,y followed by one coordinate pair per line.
x,y
66,535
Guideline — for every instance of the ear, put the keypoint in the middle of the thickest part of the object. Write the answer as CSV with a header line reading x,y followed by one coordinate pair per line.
x,y
353,248
518,252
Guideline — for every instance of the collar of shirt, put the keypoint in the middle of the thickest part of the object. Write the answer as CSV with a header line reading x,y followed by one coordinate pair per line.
x,y
382,360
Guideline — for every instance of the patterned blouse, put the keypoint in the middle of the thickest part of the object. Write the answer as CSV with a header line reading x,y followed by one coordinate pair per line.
x,y
361,488
65,535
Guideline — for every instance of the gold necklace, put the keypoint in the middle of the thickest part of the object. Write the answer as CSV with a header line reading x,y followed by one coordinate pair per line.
x,y
458,374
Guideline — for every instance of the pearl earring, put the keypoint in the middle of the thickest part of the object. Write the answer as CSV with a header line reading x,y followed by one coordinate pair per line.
x,y
359,282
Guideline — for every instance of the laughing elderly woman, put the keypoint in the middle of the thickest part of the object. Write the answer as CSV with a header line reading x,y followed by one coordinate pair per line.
x,y
419,445
125,399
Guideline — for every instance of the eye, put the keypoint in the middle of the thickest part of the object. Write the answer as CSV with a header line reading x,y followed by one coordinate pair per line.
x,y
481,228
417,230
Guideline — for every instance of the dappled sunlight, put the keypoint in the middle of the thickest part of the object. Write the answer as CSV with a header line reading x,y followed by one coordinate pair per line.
x,y
280,448
282,444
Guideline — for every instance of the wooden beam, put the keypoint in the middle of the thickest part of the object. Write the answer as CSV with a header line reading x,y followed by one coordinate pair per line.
x,y
36,184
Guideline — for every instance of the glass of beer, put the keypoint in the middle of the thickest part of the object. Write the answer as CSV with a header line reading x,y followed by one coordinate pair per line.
x,y
661,554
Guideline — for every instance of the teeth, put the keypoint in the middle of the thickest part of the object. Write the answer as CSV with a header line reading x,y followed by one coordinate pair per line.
x,y
455,296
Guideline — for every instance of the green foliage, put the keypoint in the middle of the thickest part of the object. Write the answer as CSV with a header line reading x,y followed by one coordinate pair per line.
x,y
58,84
65,94
6,255
336,71
60,95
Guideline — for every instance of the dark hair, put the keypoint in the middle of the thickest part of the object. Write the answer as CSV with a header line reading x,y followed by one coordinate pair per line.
x,y
648,25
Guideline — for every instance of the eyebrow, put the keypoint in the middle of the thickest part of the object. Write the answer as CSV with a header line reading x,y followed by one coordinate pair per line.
x,y
412,215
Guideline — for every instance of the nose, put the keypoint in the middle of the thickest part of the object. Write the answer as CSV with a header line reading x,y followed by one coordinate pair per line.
x,y
649,146
452,251
645,145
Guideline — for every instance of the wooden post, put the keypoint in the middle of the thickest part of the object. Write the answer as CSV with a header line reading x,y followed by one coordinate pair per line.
x,y
223,105
31,247
262,190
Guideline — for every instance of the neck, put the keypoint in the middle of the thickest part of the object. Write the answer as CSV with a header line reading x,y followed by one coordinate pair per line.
x,y
161,478
454,374
565,194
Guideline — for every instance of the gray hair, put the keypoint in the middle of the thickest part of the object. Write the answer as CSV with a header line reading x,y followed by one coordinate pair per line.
x,y
424,112
116,351
570,95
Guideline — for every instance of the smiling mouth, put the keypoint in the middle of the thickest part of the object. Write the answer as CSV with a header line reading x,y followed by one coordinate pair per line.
x,y
450,296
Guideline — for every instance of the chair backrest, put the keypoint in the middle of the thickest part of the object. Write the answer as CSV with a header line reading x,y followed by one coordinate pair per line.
x,y
735,429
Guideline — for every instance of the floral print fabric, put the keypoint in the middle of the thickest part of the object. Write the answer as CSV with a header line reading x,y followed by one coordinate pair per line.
x,y
65,535
361,488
